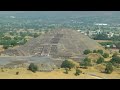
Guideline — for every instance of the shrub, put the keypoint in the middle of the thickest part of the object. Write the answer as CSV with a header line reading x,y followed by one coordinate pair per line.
x,y
105,55
100,51
33,67
94,51
5,46
106,47
86,62
17,73
114,55
78,72
2,70
115,60
66,71
36,35
100,60
67,64
87,52
109,68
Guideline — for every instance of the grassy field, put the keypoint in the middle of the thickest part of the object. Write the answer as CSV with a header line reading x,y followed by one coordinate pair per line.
x,y
90,73
93,72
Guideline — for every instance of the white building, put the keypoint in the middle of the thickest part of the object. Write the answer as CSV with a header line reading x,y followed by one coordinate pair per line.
x,y
110,34
99,31
79,30
104,24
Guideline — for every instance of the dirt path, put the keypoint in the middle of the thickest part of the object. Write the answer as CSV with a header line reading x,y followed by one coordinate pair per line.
x,y
93,75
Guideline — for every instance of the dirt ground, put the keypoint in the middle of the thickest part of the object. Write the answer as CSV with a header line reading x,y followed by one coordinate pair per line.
x,y
103,40
89,73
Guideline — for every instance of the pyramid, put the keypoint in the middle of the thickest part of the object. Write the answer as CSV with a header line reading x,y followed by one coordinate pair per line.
x,y
56,43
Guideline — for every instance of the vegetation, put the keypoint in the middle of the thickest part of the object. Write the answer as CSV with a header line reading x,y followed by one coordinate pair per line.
x,y
10,42
117,44
78,72
100,51
115,61
105,55
35,35
17,73
2,70
5,46
94,51
101,36
106,43
114,55
109,68
100,60
115,38
33,67
86,62
66,70
87,52
67,64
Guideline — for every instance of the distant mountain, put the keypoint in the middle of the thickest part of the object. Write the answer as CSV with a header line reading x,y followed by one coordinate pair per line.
x,y
58,13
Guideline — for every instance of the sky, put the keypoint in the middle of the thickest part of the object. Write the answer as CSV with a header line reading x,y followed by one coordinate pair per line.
x,y
62,13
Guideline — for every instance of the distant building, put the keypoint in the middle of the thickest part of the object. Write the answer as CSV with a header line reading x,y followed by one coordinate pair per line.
x,y
79,30
114,46
101,24
85,33
92,33
99,31
108,46
110,34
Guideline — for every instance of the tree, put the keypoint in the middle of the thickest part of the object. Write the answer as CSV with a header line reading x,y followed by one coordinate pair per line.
x,y
7,38
18,38
109,68
115,59
105,55
11,33
101,36
115,38
100,51
117,44
36,35
87,52
13,42
94,51
86,62
100,60
33,67
119,50
67,64
78,72
22,42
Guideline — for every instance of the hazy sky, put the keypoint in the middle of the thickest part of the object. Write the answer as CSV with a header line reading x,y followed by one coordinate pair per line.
x,y
67,13
9,12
